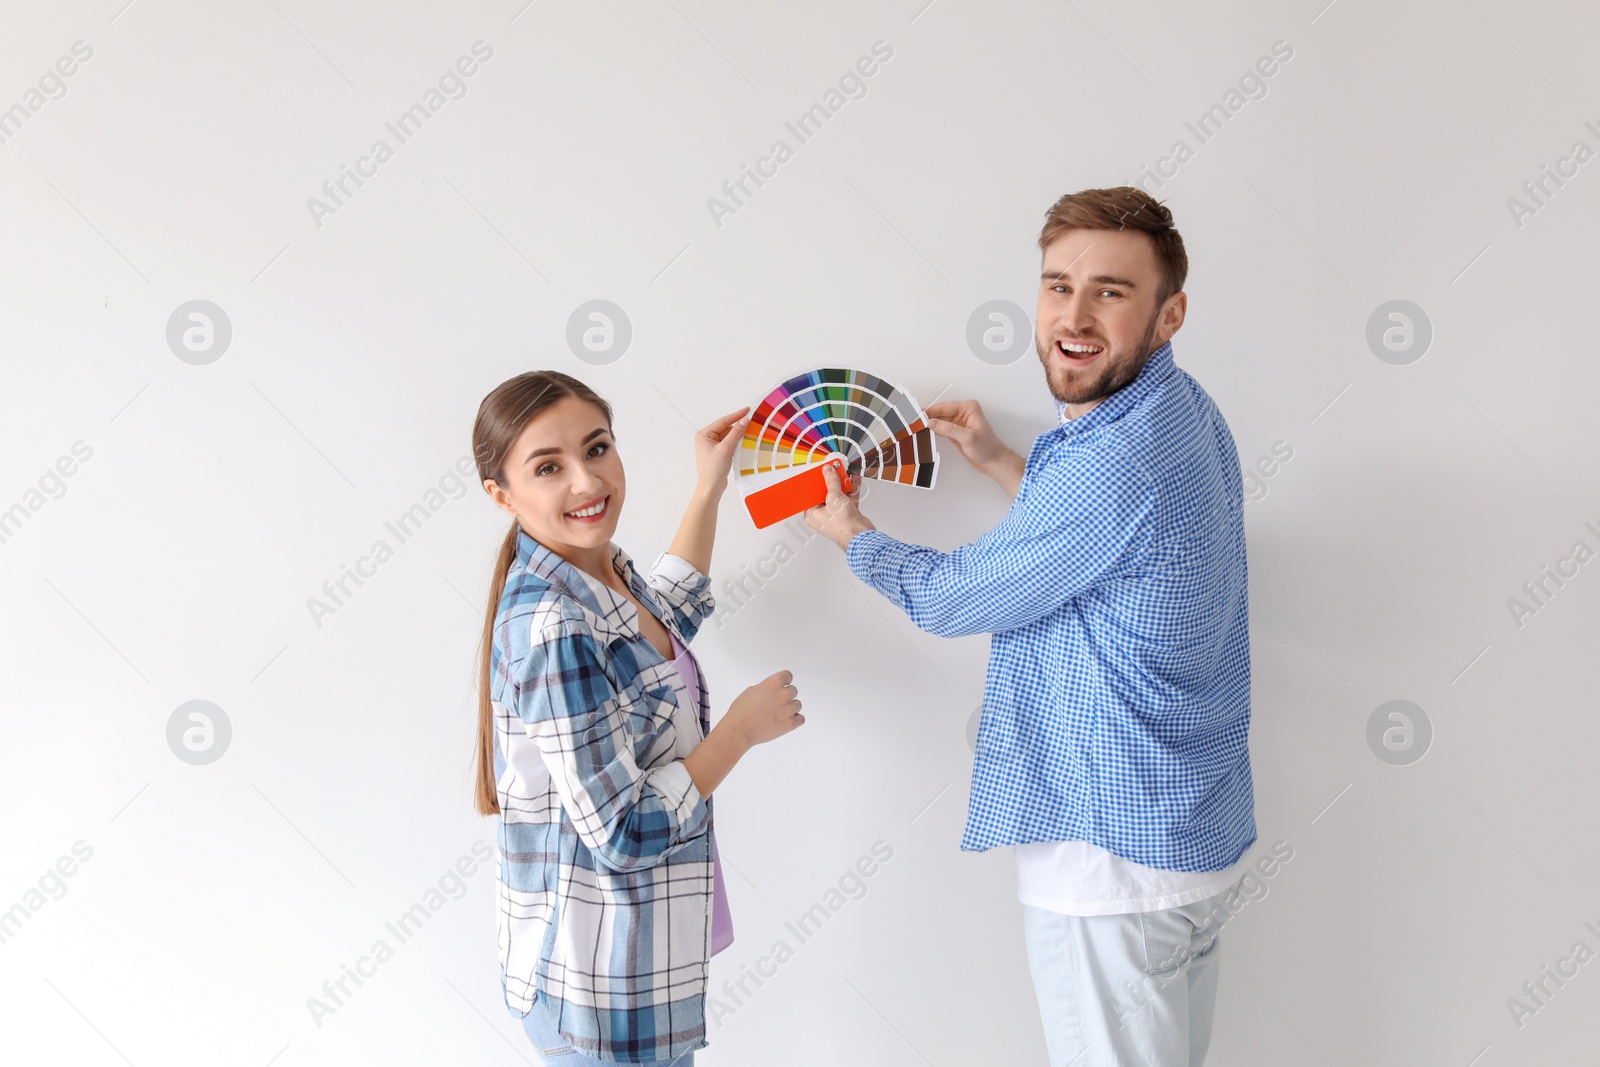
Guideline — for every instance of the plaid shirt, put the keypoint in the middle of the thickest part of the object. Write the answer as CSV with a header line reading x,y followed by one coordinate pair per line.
x,y
1117,704
605,843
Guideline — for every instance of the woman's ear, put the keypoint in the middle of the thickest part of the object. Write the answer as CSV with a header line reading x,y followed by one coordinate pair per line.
x,y
499,496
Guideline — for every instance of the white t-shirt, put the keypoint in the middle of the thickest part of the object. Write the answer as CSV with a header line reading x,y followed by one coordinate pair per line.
x,y
1077,878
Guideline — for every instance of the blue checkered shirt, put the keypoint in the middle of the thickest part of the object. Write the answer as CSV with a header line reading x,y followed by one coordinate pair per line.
x,y
1116,708
605,861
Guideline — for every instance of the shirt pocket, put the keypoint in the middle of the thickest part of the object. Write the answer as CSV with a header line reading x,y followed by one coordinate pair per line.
x,y
650,727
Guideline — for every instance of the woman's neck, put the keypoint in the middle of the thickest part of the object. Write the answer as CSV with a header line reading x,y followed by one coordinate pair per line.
x,y
595,562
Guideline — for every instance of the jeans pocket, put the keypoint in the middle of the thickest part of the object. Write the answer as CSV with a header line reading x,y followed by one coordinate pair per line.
x,y
1166,937
552,1047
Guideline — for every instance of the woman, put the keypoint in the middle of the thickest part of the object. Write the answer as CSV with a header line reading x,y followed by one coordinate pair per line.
x,y
592,735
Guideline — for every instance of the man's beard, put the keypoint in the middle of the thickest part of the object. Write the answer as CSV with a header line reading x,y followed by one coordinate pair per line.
x,y
1115,369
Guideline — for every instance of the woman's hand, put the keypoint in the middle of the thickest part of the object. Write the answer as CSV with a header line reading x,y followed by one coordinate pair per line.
x,y
765,711
713,455
714,447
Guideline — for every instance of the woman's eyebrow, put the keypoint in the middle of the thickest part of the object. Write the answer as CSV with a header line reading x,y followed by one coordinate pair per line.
x,y
536,453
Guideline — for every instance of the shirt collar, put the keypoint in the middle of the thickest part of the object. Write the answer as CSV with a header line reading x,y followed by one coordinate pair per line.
x,y
584,588
1156,370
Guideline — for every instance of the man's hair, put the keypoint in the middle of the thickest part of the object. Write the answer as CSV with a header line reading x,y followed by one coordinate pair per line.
x,y
1122,208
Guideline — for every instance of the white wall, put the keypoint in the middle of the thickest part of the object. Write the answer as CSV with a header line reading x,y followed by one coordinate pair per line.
x,y
176,562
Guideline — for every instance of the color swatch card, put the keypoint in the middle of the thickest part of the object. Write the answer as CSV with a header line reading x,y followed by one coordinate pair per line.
x,y
866,426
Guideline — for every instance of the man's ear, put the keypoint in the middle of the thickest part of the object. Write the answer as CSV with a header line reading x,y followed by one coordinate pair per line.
x,y
1172,314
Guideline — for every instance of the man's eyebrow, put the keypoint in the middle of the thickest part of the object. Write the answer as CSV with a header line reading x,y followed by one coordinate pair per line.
x,y
536,453
1098,279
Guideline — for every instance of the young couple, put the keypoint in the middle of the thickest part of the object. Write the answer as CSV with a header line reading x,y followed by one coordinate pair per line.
x,y
1112,745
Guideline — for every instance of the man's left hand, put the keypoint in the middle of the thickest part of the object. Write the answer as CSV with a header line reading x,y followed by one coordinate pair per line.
x,y
838,518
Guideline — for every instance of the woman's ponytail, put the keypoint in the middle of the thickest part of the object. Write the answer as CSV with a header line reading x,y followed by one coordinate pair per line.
x,y
502,416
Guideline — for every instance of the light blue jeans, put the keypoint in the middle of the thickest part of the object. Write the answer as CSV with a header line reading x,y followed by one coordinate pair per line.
x,y
554,1051
1116,990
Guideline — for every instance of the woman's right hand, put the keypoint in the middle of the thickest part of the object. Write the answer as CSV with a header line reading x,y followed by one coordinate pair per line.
x,y
767,710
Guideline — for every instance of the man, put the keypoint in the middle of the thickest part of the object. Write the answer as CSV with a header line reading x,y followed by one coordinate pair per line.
x,y
1112,748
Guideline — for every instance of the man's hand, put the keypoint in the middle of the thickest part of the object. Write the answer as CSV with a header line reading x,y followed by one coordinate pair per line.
x,y
963,422
838,518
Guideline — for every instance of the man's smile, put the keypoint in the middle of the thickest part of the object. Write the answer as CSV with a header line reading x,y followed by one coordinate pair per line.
x,y
1078,353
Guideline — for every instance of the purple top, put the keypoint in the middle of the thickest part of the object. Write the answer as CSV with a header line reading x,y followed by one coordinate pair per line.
x,y
721,918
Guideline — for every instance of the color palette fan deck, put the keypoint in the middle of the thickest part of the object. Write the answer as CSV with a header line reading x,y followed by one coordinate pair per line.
x,y
869,425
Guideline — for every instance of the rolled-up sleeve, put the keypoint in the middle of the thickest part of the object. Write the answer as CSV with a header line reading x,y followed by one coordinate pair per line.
x,y
628,818
1081,521
683,590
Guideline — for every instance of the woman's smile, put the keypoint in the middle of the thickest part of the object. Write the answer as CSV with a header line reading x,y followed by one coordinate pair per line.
x,y
592,512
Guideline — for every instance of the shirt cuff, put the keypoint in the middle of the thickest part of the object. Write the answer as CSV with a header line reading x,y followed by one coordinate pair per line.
x,y
680,795
675,568
863,553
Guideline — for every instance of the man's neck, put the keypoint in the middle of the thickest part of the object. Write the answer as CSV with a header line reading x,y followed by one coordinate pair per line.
x,y
1075,411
